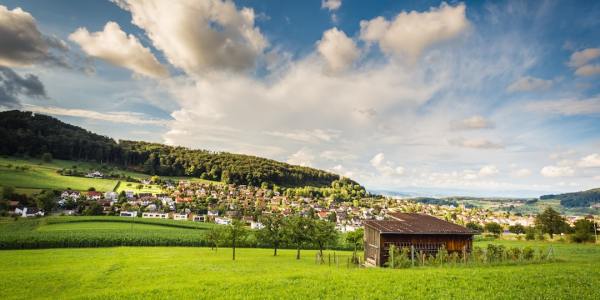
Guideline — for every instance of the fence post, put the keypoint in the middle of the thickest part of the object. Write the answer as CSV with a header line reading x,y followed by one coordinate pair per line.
x,y
329,258
465,254
412,254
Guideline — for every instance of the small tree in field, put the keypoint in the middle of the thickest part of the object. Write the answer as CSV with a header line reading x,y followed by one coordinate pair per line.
x,y
355,238
324,234
273,232
551,222
493,228
215,236
517,229
298,231
236,232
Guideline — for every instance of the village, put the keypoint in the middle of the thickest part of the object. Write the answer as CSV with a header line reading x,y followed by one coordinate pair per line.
x,y
221,203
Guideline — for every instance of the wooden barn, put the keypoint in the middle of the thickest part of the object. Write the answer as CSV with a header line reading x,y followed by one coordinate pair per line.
x,y
423,232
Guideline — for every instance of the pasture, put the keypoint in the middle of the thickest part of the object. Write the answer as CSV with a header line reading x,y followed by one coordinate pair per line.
x,y
183,272
31,175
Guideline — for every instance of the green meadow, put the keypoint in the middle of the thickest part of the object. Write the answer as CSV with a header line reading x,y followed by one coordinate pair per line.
x,y
32,175
190,272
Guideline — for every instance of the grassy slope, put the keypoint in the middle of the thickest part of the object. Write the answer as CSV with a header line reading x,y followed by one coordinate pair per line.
x,y
199,272
42,175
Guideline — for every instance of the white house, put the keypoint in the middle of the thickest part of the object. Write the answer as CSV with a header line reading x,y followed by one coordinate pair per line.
x,y
256,225
131,214
129,194
222,221
150,215
28,212
111,196
213,213
94,174
180,217
70,194
199,218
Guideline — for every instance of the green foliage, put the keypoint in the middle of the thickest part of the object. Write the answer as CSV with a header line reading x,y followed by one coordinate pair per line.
x,y
273,232
577,199
324,235
236,233
298,231
7,192
584,231
551,222
493,228
398,258
474,226
517,229
530,233
46,157
46,200
355,238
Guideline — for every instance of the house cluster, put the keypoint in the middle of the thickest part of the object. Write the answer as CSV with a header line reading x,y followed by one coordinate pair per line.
x,y
221,203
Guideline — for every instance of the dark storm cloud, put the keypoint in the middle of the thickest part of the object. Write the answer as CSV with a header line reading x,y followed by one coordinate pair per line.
x,y
13,86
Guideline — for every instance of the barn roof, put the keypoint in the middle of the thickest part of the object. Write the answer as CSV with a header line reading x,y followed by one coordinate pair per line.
x,y
412,223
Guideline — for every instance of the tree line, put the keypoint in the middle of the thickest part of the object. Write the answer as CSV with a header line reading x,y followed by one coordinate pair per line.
x,y
297,232
36,135
548,222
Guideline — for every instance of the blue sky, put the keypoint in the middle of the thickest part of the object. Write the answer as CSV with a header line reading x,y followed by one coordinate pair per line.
x,y
480,98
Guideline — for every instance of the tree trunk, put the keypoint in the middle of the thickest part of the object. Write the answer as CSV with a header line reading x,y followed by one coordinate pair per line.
x,y
275,250
234,247
298,253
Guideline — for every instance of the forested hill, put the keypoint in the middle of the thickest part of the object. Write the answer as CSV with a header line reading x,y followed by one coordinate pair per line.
x,y
25,133
577,199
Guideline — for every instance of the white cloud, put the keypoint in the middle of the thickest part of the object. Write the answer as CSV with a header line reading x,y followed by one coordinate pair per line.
x,y
580,62
116,117
385,167
580,58
528,83
590,161
474,122
520,173
476,143
338,50
21,42
331,5
557,171
197,36
120,49
488,170
316,135
567,107
410,33
302,157
588,70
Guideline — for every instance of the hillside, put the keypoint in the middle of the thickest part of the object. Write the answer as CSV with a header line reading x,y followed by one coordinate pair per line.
x,y
29,134
577,199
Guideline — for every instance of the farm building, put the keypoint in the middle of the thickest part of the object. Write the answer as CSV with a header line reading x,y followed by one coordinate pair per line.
x,y
423,233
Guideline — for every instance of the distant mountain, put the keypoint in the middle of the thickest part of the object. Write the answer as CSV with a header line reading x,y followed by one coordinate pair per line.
x,y
577,199
26,133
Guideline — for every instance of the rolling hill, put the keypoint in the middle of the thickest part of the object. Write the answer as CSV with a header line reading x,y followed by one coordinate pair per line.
x,y
31,135
577,199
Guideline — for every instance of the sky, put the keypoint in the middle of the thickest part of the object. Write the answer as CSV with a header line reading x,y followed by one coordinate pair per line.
x,y
482,98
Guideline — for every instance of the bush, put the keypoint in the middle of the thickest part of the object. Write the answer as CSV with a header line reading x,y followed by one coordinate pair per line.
x,y
398,258
493,228
528,253
47,157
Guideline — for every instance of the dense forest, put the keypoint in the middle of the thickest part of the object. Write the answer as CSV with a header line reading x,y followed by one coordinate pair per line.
x,y
578,199
30,134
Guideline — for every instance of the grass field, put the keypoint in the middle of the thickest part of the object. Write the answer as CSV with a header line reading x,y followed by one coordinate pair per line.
x,y
39,175
138,188
179,272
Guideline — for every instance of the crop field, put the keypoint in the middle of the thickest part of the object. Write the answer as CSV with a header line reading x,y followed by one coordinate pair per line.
x,y
59,232
189,272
